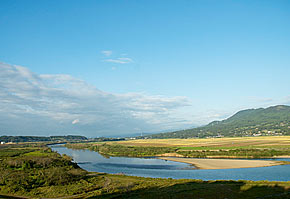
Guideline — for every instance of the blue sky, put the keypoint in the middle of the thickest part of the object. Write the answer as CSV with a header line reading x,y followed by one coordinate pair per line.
x,y
197,61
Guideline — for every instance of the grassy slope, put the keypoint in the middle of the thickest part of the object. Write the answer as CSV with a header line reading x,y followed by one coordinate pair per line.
x,y
247,122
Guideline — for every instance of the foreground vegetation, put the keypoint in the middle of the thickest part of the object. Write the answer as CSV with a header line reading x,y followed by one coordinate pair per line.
x,y
30,169
34,171
253,147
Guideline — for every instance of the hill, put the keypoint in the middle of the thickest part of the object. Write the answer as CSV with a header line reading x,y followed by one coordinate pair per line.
x,y
273,120
41,139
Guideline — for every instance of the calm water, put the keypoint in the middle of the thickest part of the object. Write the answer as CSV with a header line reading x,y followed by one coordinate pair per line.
x,y
156,168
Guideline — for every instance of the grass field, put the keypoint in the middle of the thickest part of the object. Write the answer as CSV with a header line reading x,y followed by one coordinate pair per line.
x,y
273,142
238,147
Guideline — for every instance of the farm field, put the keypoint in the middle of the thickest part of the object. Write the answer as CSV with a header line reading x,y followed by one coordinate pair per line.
x,y
214,143
238,147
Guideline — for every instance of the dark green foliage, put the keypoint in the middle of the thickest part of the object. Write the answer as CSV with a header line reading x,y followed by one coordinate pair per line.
x,y
234,153
67,138
121,150
22,169
270,121
41,139
23,139
8,152
133,151
104,139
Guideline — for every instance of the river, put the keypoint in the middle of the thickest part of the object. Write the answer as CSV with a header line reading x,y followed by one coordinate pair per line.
x,y
157,168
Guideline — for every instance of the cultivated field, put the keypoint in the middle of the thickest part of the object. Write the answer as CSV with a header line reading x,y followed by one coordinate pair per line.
x,y
214,143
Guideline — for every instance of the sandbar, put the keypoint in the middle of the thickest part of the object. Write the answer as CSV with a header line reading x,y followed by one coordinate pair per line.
x,y
201,163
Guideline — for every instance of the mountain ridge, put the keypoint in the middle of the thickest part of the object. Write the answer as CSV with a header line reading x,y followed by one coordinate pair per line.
x,y
274,120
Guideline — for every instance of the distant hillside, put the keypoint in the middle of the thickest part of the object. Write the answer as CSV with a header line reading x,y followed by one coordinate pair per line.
x,y
274,120
41,139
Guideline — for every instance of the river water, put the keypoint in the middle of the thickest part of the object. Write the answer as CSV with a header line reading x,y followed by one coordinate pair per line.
x,y
156,168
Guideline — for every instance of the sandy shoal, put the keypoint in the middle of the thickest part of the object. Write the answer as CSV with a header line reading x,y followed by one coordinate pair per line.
x,y
223,163
282,156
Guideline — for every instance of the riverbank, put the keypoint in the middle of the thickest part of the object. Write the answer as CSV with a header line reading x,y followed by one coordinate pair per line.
x,y
224,163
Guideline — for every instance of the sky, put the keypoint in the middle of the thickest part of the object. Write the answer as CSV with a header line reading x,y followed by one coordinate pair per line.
x,y
113,68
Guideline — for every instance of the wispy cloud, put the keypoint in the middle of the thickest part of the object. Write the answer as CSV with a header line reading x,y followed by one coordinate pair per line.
x,y
121,60
107,53
53,104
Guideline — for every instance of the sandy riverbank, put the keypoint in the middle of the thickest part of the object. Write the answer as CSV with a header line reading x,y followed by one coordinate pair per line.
x,y
282,156
223,163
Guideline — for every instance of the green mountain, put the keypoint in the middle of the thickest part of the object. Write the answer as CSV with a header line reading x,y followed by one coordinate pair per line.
x,y
274,120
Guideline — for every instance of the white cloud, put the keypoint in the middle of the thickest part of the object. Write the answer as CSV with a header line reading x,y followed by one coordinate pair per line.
x,y
51,104
107,53
121,60
75,121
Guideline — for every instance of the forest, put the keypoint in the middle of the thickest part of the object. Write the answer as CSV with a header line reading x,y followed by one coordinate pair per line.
x,y
16,139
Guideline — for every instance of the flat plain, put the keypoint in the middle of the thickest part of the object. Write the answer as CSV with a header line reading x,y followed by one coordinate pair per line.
x,y
214,143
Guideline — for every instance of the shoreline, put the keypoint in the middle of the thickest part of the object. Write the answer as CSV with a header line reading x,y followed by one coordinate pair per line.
x,y
202,163
281,156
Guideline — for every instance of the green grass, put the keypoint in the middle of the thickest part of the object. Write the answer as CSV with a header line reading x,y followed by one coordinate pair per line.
x,y
121,150
37,153
8,152
214,148
233,147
